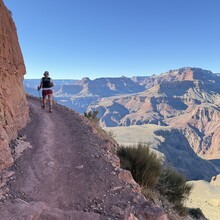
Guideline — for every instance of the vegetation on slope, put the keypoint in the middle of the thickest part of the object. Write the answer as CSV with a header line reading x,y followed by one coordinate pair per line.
x,y
147,170
92,116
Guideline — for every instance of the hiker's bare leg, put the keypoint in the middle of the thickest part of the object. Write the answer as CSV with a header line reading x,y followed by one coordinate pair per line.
x,y
50,100
44,101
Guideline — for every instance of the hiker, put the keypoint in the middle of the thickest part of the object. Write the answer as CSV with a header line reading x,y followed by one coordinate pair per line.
x,y
46,84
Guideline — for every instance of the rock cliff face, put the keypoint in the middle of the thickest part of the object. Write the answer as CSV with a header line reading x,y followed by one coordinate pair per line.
x,y
13,104
179,154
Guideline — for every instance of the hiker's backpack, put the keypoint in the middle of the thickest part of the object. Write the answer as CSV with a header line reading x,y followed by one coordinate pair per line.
x,y
46,82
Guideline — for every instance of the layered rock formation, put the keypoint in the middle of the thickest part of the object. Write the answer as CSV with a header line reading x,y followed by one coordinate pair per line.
x,y
79,94
13,104
187,99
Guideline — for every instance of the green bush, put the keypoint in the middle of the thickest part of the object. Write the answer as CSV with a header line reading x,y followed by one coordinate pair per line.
x,y
92,116
174,187
144,165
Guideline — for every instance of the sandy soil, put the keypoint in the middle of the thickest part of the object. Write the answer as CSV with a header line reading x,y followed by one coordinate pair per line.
x,y
134,134
205,196
67,173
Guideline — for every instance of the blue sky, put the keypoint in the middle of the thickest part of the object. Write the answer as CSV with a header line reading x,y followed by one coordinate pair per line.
x,y
98,38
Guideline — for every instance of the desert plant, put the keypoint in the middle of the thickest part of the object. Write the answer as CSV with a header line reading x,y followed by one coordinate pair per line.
x,y
174,187
196,213
92,116
151,194
144,165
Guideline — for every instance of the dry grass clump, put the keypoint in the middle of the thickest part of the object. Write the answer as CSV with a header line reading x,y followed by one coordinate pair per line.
x,y
143,164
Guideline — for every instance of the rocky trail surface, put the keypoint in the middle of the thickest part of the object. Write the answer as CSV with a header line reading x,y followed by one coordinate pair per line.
x,y
69,173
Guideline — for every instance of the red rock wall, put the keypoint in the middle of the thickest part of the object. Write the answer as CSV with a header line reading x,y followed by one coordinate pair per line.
x,y
14,112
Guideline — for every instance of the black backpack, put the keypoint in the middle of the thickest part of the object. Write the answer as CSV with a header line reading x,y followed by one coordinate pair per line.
x,y
46,82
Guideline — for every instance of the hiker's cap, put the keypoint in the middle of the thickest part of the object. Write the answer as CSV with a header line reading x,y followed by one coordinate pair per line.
x,y
46,73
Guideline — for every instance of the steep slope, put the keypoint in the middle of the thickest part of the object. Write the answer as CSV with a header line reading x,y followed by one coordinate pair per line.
x,y
202,128
70,173
13,104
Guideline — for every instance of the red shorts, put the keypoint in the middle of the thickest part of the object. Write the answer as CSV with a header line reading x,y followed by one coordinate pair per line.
x,y
47,92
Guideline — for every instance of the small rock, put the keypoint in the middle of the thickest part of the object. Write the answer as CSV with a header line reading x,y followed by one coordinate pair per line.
x,y
116,188
20,137
117,210
131,217
8,174
79,167
139,199
50,164
113,173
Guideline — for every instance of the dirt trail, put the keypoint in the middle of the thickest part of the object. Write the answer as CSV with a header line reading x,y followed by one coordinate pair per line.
x,y
66,174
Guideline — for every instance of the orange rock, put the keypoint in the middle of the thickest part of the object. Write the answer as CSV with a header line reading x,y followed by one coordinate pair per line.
x,y
13,105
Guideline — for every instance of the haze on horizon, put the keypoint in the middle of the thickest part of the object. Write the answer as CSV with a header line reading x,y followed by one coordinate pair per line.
x,y
84,38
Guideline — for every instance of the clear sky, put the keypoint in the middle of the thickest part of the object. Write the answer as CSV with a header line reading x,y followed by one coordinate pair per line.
x,y
99,38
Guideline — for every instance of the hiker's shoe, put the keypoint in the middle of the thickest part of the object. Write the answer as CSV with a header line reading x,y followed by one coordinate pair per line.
x,y
50,110
43,106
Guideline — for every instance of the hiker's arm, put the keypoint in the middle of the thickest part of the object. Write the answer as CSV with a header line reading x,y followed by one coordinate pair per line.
x,y
51,83
40,86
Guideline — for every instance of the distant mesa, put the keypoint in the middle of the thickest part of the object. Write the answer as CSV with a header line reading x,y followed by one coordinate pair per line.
x,y
83,81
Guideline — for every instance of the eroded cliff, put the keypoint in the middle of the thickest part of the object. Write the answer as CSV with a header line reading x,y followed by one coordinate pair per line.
x,y
13,104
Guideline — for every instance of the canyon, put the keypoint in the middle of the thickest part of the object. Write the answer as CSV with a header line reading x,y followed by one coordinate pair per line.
x,y
185,102
178,111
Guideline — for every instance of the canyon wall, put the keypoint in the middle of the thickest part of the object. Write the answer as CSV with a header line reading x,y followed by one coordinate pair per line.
x,y
14,112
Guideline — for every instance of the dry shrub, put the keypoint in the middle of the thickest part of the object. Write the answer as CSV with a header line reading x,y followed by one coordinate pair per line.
x,y
151,194
92,116
144,165
147,171
174,187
